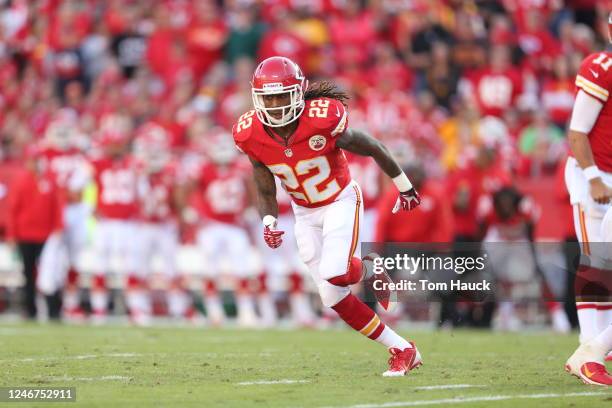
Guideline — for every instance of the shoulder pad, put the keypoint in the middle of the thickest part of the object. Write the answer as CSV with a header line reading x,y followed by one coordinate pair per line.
x,y
328,115
595,75
242,129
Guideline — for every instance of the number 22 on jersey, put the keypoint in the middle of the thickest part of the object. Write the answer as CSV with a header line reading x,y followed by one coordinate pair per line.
x,y
314,189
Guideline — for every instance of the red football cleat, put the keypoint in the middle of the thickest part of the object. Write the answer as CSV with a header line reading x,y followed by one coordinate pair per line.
x,y
402,361
586,364
593,373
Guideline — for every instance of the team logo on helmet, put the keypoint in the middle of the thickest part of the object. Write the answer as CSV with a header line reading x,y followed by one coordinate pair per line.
x,y
317,142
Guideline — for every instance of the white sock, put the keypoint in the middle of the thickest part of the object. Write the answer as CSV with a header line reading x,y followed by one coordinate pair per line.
x,y
214,308
391,339
99,300
138,301
71,299
178,303
588,322
603,319
602,344
267,308
300,308
245,305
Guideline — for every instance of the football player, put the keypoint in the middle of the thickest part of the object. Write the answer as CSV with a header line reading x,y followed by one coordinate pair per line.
x,y
64,159
160,204
222,199
510,217
298,134
115,240
588,176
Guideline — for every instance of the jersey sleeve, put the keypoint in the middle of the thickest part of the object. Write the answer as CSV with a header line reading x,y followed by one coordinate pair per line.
x,y
328,115
594,76
241,131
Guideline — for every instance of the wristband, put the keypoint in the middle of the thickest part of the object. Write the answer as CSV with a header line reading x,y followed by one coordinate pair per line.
x,y
591,172
402,183
269,221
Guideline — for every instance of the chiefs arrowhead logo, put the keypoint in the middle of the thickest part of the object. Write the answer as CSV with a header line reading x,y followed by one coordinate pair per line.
x,y
317,142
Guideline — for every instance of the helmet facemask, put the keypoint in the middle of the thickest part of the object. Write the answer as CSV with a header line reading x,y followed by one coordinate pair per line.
x,y
610,27
290,112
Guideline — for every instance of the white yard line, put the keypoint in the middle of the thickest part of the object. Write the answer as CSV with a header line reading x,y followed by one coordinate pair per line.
x,y
78,357
447,387
463,400
266,382
103,378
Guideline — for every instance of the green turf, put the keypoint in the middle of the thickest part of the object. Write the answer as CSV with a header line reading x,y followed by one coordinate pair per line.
x,y
188,367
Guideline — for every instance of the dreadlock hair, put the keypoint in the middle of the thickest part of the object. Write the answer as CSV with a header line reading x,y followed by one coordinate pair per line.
x,y
325,89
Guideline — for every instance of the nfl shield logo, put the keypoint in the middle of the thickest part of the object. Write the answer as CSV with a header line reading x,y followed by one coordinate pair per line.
x,y
288,152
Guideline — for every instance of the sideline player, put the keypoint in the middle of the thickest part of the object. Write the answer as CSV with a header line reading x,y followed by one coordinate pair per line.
x,y
159,208
588,176
222,191
66,161
297,134
116,177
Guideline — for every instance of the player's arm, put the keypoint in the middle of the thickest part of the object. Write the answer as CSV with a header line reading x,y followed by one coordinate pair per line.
x,y
363,144
266,189
266,202
584,115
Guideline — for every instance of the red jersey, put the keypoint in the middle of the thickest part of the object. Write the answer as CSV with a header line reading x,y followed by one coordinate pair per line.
x,y
222,192
513,228
595,78
496,92
468,185
157,195
117,182
34,208
432,221
68,168
312,169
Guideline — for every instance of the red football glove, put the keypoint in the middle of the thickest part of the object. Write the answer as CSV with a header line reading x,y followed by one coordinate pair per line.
x,y
407,201
272,236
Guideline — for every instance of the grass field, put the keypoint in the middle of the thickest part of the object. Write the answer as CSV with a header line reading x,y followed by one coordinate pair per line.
x,y
187,367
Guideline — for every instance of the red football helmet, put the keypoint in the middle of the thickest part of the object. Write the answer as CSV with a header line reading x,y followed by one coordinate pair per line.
x,y
222,150
62,133
114,129
152,146
277,75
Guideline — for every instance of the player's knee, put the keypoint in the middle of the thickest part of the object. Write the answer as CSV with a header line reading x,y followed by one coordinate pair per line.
x,y
332,294
351,276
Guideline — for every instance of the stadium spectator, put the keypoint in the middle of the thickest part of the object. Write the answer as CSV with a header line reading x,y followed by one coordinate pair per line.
x,y
432,221
541,142
558,92
245,33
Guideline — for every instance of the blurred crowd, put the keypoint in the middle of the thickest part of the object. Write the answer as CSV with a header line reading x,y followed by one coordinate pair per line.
x,y
469,95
